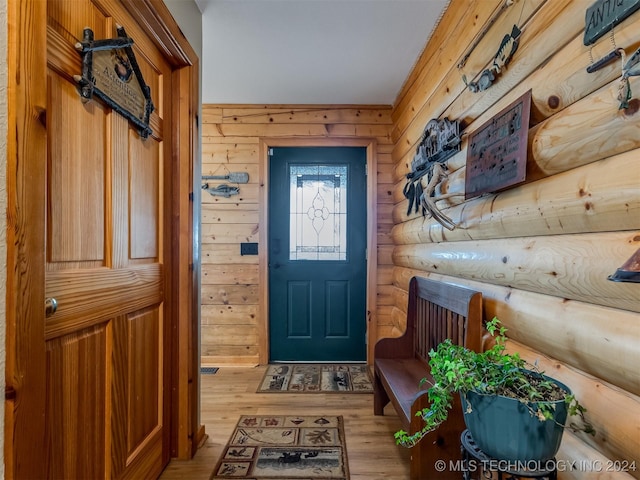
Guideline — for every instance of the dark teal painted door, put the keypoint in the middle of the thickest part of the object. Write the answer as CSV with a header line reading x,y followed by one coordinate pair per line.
x,y
317,254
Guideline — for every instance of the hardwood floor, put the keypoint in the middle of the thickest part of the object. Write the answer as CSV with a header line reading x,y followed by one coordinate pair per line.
x,y
372,452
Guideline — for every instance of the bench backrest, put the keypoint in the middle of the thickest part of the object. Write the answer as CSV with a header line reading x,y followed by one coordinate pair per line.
x,y
439,310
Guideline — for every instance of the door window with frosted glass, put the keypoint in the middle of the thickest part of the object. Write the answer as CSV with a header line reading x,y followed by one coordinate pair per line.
x,y
318,212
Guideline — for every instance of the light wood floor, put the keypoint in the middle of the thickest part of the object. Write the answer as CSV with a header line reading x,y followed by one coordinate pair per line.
x,y
231,392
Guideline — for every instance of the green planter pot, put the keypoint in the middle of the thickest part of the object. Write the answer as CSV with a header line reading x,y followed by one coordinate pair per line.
x,y
504,428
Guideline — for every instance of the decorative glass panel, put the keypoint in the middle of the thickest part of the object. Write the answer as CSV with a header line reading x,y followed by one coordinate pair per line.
x,y
318,212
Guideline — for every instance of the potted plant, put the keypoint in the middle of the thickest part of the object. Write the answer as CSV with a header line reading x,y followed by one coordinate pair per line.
x,y
513,411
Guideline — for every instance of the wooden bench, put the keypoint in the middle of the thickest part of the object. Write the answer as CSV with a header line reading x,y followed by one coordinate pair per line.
x,y
436,311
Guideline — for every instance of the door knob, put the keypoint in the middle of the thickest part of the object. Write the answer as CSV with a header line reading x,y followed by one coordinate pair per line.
x,y
50,306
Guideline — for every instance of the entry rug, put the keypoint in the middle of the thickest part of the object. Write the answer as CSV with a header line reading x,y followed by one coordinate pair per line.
x,y
285,447
316,378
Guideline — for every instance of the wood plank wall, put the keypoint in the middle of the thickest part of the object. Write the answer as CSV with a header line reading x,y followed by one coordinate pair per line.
x,y
232,318
540,252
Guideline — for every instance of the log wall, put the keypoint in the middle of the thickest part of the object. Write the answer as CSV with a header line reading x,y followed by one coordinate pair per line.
x,y
540,252
234,322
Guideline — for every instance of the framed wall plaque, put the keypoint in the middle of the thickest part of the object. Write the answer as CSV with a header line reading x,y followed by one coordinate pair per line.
x,y
603,15
497,151
110,71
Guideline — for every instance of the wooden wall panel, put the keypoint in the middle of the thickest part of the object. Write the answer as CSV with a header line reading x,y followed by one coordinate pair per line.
x,y
232,323
598,197
530,316
617,436
541,252
575,267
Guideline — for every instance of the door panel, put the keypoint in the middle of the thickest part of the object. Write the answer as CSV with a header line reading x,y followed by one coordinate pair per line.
x,y
106,395
77,395
317,254
144,193
76,182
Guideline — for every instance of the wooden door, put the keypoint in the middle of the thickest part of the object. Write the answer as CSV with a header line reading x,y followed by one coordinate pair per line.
x,y
92,380
106,344
317,254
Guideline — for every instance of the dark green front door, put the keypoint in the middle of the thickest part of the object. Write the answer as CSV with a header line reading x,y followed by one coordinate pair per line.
x,y
317,254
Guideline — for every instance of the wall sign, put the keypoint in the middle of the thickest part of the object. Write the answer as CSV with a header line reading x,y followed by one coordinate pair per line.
x,y
497,151
110,72
603,15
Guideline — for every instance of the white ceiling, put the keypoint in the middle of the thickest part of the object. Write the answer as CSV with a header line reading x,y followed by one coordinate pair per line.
x,y
311,51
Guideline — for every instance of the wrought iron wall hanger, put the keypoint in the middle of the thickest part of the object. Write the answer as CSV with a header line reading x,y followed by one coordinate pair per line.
x,y
604,61
110,71
594,66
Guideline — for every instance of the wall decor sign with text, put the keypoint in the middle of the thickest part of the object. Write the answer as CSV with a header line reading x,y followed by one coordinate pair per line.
x,y
497,151
111,73
603,15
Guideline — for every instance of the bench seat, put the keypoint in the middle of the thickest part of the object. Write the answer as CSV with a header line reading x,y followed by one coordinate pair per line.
x,y
401,377
435,311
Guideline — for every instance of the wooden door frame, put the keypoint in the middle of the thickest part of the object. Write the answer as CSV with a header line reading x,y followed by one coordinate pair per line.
x,y
26,188
263,236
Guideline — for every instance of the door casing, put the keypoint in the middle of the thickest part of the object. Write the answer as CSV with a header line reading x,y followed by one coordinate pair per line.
x,y
370,145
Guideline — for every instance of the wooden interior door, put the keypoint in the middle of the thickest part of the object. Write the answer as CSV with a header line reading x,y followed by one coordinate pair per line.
x,y
106,345
98,369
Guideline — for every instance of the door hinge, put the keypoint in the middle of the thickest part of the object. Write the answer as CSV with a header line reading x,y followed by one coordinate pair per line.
x,y
270,153
191,196
366,169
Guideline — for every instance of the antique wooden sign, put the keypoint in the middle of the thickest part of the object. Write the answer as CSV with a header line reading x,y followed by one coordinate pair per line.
x,y
110,72
603,15
497,151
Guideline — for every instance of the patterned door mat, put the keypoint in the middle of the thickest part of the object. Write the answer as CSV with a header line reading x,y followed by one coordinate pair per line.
x,y
316,378
284,448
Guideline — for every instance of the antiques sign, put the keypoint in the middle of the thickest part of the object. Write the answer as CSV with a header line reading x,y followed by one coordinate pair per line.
x,y
603,15
110,72
497,151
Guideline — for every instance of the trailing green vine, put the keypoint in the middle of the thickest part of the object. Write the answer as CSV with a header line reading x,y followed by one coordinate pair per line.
x,y
457,370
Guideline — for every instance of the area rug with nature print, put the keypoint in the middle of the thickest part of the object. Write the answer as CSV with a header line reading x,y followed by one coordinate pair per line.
x,y
316,378
285,448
